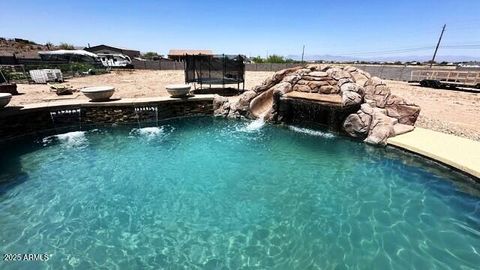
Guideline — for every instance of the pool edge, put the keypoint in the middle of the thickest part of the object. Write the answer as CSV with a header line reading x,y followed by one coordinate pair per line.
x,y
459,153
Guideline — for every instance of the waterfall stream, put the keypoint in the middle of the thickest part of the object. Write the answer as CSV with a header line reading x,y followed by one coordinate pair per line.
x,y
256,124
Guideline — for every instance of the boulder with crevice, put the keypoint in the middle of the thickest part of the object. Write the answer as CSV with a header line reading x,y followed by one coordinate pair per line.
x,y
221,106
381,127
404,111
357,124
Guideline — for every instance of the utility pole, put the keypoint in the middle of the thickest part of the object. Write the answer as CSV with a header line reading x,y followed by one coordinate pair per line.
x,y
303,52
438,45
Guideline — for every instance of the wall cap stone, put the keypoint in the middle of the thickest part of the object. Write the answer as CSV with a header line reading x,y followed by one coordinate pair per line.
x,y
54,105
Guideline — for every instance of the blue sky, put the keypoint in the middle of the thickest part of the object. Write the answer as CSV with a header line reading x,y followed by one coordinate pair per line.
x,y
356,28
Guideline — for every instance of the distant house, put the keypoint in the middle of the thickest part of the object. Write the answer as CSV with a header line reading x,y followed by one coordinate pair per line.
x,y
471,64
179,55
112,50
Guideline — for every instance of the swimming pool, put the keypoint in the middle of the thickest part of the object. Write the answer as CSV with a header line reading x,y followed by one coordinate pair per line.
x,y
206,193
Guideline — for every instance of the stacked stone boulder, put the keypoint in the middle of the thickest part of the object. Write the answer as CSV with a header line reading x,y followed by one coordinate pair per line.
x,y
381,113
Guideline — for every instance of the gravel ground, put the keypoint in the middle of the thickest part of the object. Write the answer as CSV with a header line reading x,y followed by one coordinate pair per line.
x,y
448,111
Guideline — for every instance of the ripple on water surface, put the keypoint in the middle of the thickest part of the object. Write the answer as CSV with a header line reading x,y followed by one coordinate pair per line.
x,y
206,193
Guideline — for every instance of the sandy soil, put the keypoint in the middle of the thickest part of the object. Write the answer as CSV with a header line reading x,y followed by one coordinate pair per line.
x,y
128,84
448,111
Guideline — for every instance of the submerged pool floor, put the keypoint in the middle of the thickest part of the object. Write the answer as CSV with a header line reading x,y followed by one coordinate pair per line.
x,y
204,193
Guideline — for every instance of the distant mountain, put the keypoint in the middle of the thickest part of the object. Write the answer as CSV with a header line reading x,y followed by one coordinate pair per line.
x,y
18,46
420,58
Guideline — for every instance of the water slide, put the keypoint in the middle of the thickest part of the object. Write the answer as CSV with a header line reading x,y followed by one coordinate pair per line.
x,y
260,105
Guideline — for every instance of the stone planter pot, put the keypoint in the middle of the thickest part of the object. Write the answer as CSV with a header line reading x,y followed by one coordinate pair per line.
x,y
5,99
98,93
178,90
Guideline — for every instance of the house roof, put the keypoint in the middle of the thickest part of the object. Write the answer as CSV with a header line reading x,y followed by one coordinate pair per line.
x,y
63,52
176,52
93,48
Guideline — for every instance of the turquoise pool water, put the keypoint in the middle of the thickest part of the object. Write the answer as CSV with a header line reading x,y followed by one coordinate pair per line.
x,y
204,193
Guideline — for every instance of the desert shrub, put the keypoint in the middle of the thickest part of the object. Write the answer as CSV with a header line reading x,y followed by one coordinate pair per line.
x,y
151,55
276,59
258,59
66,46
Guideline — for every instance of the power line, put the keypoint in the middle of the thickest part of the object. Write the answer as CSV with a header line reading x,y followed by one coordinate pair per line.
x,y
414,49
390,51
466,46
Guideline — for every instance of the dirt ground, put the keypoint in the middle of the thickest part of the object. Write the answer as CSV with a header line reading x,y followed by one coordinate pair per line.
x,y
128,84
449,111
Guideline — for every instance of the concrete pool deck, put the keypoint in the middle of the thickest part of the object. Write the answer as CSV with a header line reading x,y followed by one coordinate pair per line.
x,y
460,153
111,102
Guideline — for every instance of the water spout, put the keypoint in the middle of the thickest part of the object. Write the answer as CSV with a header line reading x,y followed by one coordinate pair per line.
x,y
63,118
147,113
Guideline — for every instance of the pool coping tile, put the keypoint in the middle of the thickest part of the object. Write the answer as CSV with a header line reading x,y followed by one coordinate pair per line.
x,y
460,153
